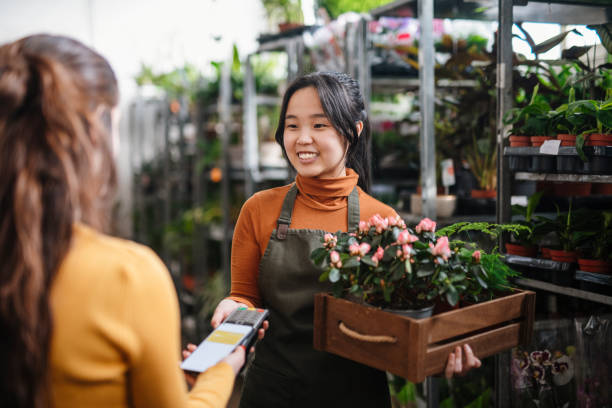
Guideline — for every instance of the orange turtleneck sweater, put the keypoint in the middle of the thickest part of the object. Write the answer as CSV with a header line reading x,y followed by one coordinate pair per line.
x,y
321,203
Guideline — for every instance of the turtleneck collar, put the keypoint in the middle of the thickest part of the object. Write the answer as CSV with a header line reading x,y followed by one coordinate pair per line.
x,y
326,193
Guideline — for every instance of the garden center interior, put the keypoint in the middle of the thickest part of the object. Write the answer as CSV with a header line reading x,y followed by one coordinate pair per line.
x,y
481,111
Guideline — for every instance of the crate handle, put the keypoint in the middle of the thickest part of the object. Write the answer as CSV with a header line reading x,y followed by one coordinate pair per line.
x,y
365,337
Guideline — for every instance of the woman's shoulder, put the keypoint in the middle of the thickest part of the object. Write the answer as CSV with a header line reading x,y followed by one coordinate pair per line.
x,y
268,196
108,256
370,206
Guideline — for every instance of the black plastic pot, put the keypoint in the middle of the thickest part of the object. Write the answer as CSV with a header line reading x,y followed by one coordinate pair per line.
x,y
519,163
569,164
543,164
598,165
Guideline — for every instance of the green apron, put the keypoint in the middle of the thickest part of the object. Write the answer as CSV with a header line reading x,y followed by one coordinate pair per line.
x,y
287,371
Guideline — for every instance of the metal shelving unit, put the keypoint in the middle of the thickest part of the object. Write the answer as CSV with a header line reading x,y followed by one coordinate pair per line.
x,y
553,11
576,178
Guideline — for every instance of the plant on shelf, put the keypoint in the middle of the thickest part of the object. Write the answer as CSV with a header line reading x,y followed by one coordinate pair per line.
x,y
533,120
596,254
570,230
526,241
482,158
386,264
286,13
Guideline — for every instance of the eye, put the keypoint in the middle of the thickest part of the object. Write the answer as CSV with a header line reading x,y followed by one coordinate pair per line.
x,y
320,125
291,126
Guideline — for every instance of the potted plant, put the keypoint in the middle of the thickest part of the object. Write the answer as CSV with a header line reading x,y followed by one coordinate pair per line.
x,y
569,237
286,13
526,240
535,123
386,264
482,159
597,255
384,269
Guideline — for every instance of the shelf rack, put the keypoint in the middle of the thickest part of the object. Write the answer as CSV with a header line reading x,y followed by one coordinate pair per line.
x,y
505,12
563,290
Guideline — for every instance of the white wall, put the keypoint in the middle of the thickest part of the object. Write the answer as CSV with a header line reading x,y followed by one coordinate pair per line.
x,y
164,34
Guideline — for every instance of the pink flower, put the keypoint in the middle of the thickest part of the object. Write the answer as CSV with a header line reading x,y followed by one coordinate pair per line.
x,y
406,238
363,226
364,248
476,256
354,249
441,248
379,223
334,258
330,240
426,225
375,259
379,253
397,222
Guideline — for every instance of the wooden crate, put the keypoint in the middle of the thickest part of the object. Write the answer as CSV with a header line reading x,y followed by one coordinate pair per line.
x,y
417,348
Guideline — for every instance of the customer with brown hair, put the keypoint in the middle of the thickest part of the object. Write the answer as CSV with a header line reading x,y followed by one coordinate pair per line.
x,y
85,319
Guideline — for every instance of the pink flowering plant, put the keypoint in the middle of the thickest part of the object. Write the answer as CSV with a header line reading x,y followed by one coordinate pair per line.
x,y
387,264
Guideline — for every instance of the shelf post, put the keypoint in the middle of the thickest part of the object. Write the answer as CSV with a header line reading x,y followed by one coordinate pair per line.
x,y
503,214
504,103
426,97
250,142
225,100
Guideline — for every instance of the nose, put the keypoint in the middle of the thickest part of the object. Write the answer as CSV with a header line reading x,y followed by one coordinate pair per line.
x,y
304,137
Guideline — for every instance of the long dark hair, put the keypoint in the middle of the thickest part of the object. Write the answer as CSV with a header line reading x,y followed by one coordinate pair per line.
x,y
343,105
56,168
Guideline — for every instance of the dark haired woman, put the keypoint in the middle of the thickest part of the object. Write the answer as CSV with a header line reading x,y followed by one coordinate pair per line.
x,y
324,132
86,320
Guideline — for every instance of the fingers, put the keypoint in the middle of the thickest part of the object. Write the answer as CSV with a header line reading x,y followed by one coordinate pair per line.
x,y
190,349
458,360
224,308
471,361
236,359
450,366
262,332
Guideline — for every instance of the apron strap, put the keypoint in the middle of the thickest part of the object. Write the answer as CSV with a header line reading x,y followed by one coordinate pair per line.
x,y
283,222
282,225
353,210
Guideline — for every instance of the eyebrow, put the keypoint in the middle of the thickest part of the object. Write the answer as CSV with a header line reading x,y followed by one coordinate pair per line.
x,y
316,115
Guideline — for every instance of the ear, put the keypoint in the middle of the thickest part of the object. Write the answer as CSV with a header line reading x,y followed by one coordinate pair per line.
x,y
359,127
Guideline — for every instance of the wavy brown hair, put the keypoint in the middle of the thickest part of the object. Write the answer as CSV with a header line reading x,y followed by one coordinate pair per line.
x,y
56,169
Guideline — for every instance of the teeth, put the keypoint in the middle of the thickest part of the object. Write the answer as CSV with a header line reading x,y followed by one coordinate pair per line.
x,y
306,155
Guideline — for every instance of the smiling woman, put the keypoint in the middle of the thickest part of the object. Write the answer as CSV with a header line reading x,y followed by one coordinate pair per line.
x,y
323,131
312,144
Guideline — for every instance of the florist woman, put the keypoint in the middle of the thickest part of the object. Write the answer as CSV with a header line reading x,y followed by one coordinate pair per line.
x,y
323,131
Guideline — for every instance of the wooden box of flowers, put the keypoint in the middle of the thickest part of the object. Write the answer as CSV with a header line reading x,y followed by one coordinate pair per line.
x,y
403,299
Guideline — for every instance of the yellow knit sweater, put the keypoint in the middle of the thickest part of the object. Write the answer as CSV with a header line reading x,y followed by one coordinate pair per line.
x,y
116,331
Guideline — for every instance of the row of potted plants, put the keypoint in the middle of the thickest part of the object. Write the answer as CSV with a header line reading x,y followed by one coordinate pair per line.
x,y
576,123
583,236
390,265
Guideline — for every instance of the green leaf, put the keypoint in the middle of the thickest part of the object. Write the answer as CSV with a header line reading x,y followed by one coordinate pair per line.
x,y
352,262
452,296
368,261
324,276
580,147
552,42
605,34
318,255
408,266
334,275
397,270
425,270
458,277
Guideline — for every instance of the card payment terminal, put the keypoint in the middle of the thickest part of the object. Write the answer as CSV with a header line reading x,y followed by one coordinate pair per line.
x,y
240,328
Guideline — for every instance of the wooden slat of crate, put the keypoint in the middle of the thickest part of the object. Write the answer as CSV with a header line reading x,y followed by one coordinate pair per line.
x,y
420,347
